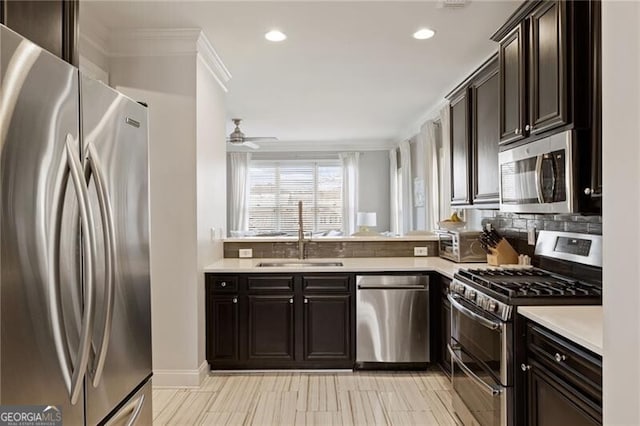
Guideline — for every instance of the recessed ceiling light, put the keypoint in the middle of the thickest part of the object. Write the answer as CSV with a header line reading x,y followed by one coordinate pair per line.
x,y
423,34
275,35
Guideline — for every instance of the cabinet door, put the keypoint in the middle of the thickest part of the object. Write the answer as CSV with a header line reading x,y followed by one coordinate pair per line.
x,y
548,67
485,136
512,85
551,402
327,327
460,158
222,328
271,327
445,332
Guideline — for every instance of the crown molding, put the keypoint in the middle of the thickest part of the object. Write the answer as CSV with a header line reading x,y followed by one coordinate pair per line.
x,y
318,146
169,42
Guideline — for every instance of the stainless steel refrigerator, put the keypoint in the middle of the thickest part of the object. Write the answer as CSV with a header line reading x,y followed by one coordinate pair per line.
x,y
75,321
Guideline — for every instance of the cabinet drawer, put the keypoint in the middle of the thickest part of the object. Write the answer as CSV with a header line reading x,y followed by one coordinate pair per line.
x,y
270,282
570,362
222,283
326,283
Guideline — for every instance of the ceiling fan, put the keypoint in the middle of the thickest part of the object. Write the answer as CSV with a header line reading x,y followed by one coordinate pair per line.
x,y
238,138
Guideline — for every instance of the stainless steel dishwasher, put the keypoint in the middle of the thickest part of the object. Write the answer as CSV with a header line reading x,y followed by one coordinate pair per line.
x,y
392,319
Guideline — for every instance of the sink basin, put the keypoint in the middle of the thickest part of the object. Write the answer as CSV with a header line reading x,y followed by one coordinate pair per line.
x,y
293,264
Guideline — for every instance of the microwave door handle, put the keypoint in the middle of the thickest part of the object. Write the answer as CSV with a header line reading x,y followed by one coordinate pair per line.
x,y
539,191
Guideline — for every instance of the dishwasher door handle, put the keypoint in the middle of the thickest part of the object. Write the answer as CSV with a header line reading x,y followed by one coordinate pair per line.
x,y
386,287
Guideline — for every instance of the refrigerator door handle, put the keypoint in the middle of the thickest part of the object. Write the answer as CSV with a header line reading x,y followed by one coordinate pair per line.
x,y
75,171
134,407
93,168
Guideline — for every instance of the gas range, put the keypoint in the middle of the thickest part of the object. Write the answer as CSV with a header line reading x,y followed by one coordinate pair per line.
x,y
497,290
568,272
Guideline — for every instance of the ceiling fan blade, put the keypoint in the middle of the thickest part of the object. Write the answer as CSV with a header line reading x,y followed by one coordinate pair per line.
x,y
251,145
265,138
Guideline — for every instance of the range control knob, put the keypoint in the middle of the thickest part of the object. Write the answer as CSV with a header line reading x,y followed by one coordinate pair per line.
x,y
492,305
471,295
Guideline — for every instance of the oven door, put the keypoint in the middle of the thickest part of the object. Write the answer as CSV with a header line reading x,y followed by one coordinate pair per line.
x,y
477,396
537,177
478,352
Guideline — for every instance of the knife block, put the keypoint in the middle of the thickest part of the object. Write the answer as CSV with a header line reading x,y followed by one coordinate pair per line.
x,y
502,254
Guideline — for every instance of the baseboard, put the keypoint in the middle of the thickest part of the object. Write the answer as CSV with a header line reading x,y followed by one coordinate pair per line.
x,y
203,370
180,378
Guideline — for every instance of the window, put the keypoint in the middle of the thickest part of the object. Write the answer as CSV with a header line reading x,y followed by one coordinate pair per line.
x,y
276,187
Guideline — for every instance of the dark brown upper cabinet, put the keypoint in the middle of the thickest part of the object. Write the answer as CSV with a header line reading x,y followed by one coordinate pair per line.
x,y
51,24
485,134
475,135
512,85
460,153
546,57
548,68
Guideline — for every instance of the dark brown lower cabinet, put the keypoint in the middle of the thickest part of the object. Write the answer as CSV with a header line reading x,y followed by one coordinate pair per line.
x,y
327,327
271,327
553,402
276,321
445,362
224,328
562,381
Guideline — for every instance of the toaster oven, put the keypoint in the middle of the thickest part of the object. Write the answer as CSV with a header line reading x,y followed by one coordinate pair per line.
x,y
461,246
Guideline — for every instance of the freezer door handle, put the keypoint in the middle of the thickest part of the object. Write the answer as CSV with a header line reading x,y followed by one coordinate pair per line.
x,y
132,409
74,375
93,168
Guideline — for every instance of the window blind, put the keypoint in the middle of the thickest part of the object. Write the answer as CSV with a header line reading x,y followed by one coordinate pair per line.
x,y
276,187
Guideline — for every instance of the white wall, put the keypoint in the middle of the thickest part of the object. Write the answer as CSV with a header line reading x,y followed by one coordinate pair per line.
x,y
621,211
211,183
187,169
373,191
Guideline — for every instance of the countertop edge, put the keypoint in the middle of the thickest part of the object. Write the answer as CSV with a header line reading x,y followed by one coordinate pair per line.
x,y
546,319
411,264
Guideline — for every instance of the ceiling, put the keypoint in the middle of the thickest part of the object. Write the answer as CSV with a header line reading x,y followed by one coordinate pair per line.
x,y
348,71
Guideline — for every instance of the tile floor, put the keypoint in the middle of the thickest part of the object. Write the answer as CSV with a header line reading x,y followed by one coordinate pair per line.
x,y
361,398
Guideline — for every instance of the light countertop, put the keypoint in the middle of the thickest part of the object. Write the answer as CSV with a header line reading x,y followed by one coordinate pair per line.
x,y
350,239
580,324
351,264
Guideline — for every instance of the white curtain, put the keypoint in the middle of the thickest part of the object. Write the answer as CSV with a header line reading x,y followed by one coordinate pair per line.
x,y
393,191
432,192
350,163
239,210
445,162
406,186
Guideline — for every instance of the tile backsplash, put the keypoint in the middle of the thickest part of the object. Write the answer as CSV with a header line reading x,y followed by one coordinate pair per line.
x,y
514,226
330,249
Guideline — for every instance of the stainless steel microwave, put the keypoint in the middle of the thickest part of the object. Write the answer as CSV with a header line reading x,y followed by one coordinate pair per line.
x,y
539,177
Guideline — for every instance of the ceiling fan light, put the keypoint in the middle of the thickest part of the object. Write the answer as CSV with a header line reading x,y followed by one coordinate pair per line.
x,y
423,34
275,36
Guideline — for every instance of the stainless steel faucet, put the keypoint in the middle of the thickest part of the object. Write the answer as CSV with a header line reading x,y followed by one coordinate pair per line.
x,y
301,239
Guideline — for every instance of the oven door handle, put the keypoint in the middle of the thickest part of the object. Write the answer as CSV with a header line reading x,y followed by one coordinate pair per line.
x,y
491,390
493,325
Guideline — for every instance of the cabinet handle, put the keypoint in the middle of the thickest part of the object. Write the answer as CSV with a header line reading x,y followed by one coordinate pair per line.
x,y
235,300
527,128
525,367
291,300
560,358
306,300
223,284
588,191
516,131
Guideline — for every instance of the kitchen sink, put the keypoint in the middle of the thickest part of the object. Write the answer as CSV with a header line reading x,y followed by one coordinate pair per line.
x,y
293,264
